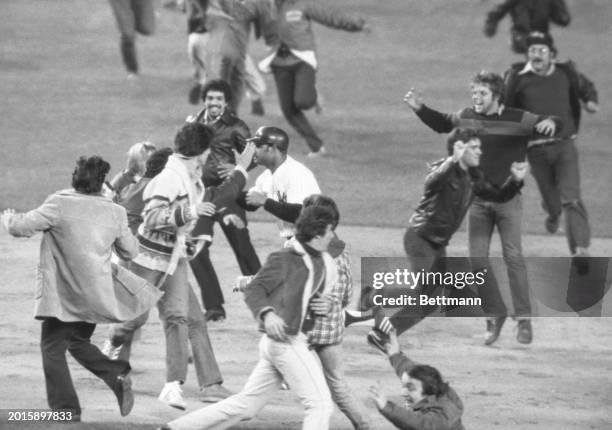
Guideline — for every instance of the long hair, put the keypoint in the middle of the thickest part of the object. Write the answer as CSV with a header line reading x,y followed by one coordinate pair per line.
x,y
313,221
89,174
137,157
433,385
324,201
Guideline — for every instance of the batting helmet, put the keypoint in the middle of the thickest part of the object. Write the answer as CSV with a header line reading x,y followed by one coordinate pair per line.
x,y
273,136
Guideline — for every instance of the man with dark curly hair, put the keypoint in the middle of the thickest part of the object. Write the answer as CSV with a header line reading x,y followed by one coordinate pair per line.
x,y
81,227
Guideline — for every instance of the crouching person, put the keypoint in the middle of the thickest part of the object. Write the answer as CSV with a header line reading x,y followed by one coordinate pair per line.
x,y
430,402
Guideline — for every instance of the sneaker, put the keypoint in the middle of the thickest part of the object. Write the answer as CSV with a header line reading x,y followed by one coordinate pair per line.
x,y
215,314
353,317
194,94
214,393
525,332
110,350
257,107
378,340
172,395
321,152
494,326
125,396
552,224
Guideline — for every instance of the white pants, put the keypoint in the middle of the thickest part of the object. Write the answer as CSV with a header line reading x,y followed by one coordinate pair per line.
x,y
196,49
291,361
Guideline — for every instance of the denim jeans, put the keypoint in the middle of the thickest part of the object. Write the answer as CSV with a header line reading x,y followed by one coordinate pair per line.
x,y
556,171
183,320
507,217
57,337
290,361
331,360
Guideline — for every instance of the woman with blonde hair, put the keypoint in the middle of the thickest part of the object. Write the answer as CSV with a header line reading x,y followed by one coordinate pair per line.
x,y
135,167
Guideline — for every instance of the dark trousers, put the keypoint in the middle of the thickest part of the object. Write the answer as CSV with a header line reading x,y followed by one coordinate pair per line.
x,y
57,337
507,217
295,85
132,16
204,272
555,169
422,255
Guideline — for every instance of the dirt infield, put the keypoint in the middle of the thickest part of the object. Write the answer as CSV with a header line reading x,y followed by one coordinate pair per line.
x,y
562,380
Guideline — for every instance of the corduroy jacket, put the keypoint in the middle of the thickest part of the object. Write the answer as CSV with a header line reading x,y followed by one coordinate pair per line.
x,y
284,285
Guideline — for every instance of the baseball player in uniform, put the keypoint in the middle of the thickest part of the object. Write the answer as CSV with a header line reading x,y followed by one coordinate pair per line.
x,y
285,180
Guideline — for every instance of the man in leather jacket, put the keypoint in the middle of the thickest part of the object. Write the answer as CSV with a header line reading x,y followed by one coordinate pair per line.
x,y
450,187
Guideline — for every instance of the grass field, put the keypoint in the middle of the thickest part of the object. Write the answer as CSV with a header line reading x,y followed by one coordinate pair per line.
x,y
64,94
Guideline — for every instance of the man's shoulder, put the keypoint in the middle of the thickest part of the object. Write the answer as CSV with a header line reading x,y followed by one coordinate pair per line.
x,y
292,165
284,256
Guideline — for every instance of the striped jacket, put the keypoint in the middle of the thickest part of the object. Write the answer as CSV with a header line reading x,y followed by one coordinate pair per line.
x,y
168,214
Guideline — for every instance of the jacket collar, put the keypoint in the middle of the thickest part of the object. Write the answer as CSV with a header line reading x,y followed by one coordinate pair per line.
x,y
529,69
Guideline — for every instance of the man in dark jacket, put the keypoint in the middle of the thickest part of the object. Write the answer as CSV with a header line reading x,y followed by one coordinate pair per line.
x,y
430,402
527,16
279,297
229,135
450,187
504,133
546,87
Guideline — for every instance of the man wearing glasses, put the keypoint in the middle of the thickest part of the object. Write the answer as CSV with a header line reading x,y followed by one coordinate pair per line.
x,y
546,87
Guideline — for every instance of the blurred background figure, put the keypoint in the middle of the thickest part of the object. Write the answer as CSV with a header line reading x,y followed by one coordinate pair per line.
x,y
527,16
293,59
197,42
133,16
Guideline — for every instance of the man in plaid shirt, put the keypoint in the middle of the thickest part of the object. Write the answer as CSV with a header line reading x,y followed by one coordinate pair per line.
x,y
327,312
326,336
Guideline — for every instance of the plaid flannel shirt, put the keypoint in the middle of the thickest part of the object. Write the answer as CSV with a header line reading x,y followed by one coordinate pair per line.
x,y
328,330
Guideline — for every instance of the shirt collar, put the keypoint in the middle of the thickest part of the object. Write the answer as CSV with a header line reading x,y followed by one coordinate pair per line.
x,y
529,68
208,120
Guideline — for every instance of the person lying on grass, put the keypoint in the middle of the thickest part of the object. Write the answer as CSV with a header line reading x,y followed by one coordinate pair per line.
x,y
430,403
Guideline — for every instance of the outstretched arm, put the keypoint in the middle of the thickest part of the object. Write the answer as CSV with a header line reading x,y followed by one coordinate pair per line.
x,y
322,13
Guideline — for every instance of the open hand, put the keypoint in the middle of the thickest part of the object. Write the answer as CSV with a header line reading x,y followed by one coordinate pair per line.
x,y
255,198
375,395
546,127
6,217
414,99
275,327
321,305
245,158
205,209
